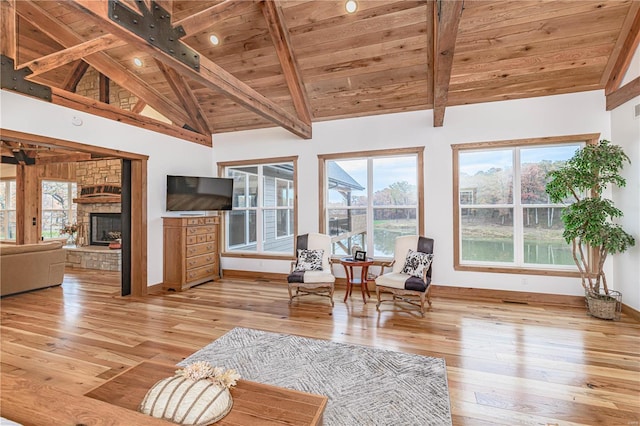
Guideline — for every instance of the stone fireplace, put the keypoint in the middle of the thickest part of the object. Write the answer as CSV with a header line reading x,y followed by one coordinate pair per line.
x,y
99,212
104,228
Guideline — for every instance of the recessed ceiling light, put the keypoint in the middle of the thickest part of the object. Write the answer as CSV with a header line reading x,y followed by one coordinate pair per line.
x,y
351,6
137,62
214,39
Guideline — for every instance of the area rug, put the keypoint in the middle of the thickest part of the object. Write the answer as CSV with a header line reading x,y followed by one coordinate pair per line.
x,y
365,386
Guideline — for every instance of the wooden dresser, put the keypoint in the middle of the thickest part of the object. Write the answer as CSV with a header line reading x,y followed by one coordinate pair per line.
x,y
190,251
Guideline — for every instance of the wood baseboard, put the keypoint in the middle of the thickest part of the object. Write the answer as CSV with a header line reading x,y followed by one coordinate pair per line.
x,y
438,290
506,296
237,274
155,288
629,311
253,276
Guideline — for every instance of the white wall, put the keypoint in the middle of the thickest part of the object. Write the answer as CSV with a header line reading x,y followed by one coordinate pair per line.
x,y
625,131
537,117
167,155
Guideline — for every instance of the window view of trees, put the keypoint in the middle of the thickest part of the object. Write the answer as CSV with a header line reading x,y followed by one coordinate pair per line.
x,y
7,209
370,202
505,213
58,208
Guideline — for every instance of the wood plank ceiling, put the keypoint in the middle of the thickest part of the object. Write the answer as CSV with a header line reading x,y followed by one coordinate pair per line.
x,y
290,63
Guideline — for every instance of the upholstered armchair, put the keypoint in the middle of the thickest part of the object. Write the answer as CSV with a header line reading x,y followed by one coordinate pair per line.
x,y
409,279
311,272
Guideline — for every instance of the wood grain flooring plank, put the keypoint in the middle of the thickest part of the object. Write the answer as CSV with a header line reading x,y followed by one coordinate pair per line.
x,y
507,364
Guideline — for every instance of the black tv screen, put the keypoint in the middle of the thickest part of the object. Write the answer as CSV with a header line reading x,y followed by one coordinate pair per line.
x,y
193,193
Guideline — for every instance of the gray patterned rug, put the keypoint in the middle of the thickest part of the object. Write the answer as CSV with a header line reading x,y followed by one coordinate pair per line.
x,y
365,386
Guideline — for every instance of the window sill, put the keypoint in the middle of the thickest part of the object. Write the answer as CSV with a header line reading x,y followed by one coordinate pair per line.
x,y
517,270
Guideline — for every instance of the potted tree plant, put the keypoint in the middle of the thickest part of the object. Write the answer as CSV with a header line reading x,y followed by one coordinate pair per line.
x,y
588,219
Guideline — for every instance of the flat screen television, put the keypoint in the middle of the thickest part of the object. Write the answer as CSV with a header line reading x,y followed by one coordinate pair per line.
x,y
197,193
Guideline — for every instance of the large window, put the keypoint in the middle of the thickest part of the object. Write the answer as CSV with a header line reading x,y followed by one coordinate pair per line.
x,y
58,208
372,198
7,209
263,217
504,216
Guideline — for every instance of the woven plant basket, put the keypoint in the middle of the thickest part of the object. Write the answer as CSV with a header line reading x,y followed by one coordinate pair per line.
x,y
605,306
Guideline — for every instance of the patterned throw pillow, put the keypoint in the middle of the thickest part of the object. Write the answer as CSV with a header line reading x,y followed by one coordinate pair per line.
x,y
417,263
309,260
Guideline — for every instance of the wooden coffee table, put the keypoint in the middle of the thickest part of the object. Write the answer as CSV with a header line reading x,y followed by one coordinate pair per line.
x,y
253,403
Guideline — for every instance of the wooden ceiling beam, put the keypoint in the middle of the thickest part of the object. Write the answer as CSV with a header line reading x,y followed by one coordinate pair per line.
x,y
431,49
209,74
103,88
623,51
8,29
282,42
66,158
74,77
91,106
181,88
49,62
139,106
446,26
210,16
623,94
102,62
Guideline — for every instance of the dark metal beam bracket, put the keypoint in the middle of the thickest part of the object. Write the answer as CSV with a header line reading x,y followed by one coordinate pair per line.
x,y
154,25
13,79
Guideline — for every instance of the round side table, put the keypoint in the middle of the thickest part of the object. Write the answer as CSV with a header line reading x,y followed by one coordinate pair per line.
x,y
349,263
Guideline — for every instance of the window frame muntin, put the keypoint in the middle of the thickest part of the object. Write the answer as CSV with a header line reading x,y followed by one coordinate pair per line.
x,y
222,165
69,210
395,152
587,138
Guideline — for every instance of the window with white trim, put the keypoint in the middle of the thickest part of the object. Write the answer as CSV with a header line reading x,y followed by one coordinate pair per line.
x,y
7,209
371,199
504,215
58,208
263,205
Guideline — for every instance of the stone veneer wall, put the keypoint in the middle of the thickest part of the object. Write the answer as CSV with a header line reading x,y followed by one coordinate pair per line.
x,y
89,87
96,172
94,258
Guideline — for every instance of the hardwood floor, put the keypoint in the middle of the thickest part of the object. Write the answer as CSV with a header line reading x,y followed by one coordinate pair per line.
x,y
507,364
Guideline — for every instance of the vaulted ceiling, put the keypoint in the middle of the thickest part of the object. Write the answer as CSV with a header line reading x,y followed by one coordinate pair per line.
x,y
290,63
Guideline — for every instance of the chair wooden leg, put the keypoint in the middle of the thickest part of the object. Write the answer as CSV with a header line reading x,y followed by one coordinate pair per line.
x,y
331,295
429,296
378,297
422,296
290,295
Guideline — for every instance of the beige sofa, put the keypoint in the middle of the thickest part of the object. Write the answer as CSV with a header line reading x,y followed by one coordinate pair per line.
x,y
30,266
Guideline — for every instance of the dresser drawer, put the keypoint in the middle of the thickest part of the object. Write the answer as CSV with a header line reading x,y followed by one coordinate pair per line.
x,y
196,221
199,273
199,230
203,260
197,249
202,238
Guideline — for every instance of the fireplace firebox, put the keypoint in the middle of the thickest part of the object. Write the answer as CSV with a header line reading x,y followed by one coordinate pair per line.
x,y
104,228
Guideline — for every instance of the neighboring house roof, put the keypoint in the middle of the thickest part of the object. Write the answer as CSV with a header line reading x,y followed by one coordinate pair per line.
x,y
337,176
341,178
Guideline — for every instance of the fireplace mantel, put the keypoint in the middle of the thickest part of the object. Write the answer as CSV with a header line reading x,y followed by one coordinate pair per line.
x,y
100,199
